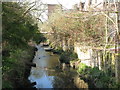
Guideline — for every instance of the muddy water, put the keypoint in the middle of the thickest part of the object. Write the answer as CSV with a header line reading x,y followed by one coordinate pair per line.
x,y
47,74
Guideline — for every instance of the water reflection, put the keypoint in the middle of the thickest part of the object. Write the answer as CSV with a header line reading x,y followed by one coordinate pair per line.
x,y
44,82
45,75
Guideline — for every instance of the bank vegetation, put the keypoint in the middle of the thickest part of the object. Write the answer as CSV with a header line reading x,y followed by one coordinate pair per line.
x,y
19,34
93,29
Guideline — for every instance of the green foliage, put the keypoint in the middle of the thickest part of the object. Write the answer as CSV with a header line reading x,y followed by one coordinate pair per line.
x,y
38,37
59,50
66,56
7,84
9,62
98,78
82,68
14,67
18,30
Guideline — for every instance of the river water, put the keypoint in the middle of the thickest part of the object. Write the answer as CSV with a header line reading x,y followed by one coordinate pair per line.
x,y
47,74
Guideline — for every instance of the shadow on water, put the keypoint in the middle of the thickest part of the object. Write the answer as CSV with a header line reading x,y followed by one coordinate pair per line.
x,y
47,74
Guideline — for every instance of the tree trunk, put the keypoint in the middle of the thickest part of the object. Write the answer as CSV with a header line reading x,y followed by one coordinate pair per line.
x,y
117,53
64,44
99,59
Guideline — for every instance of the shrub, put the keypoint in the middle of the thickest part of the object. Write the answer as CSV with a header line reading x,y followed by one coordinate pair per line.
x,y
99,78
82,68
66,56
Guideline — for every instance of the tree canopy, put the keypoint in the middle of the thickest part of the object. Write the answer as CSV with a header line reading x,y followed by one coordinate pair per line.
x,y
18,29
86,28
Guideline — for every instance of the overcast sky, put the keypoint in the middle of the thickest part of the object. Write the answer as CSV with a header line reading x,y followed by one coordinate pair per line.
x,y
65,3
68,4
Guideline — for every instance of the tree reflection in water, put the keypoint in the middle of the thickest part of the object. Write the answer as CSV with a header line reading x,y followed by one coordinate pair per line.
x,y
46,74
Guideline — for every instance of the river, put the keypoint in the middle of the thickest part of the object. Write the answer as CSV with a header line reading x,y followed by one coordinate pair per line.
x,y
47,74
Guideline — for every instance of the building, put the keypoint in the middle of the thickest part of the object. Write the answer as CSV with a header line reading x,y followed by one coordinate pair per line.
x,y
100,4
52,8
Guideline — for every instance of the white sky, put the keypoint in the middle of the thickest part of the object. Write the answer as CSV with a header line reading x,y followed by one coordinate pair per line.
x,y
65,3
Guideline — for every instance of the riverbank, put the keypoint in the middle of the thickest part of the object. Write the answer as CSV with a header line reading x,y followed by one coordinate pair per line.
x,y
47,73
68,64
16,72
94,77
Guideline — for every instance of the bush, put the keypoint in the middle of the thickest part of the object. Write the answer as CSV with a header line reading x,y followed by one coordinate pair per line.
x,y
59,50
97,77
83,69
7,84
66,56
14,66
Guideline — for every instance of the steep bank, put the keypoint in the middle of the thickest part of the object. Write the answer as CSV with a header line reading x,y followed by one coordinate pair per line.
x,y
16,76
